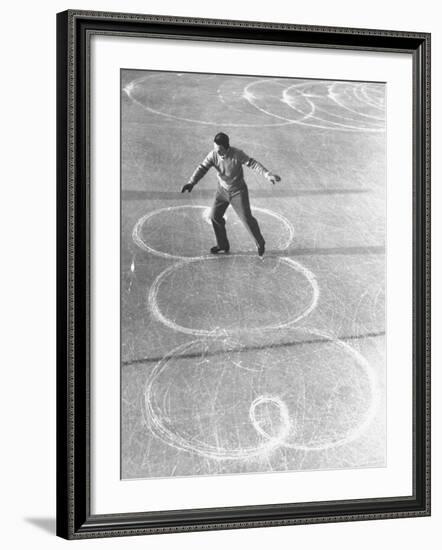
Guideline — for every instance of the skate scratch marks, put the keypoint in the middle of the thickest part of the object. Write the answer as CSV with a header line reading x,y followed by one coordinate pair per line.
x,y
287,230
268,413
282,428
296,316
347,97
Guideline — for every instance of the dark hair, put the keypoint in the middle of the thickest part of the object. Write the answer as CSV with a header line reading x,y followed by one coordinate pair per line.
x,y
222,139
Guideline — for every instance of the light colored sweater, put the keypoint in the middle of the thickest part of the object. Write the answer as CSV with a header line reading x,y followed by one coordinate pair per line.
x,y
229,168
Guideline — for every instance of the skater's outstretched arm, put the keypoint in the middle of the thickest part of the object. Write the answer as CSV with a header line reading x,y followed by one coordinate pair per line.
x,y
201,170
258,167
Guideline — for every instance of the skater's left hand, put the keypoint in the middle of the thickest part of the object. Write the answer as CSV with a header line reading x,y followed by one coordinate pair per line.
x,y
273,178
187,187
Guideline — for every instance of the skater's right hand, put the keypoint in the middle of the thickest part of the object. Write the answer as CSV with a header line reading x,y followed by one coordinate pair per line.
x,y
187,187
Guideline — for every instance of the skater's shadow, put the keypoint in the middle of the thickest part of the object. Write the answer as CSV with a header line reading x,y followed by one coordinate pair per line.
x,y
282,192
325,251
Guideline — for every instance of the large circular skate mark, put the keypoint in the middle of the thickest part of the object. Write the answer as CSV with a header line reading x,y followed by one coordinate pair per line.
x,y
226,400
220,100
266,102
343,106
233,294
352,100
182,232
373,96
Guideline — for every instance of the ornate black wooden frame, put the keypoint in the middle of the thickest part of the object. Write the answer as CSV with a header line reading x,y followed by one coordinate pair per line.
x,y
74,30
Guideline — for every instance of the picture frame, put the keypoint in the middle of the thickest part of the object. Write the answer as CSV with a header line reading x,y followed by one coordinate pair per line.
x,y
75,220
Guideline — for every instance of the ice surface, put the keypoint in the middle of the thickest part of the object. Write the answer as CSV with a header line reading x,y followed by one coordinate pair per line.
x,y
232,364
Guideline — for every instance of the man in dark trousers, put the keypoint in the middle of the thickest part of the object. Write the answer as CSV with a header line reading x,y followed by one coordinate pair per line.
x,y
232,189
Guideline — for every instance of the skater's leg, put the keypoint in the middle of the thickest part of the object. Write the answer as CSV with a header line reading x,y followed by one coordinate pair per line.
x,y
217,211
241,204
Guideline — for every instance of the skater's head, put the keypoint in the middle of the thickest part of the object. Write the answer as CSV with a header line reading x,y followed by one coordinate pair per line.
x,y
221,144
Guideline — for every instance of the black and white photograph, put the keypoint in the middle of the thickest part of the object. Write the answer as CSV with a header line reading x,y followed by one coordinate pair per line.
x,y
236,254
253,226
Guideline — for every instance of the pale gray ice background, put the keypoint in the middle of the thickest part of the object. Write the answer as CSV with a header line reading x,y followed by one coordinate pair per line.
x,y
233,364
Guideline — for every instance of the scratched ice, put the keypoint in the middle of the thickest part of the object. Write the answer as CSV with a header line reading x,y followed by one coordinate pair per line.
x,y
265,102
233,294
165,232
198,393
233,364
